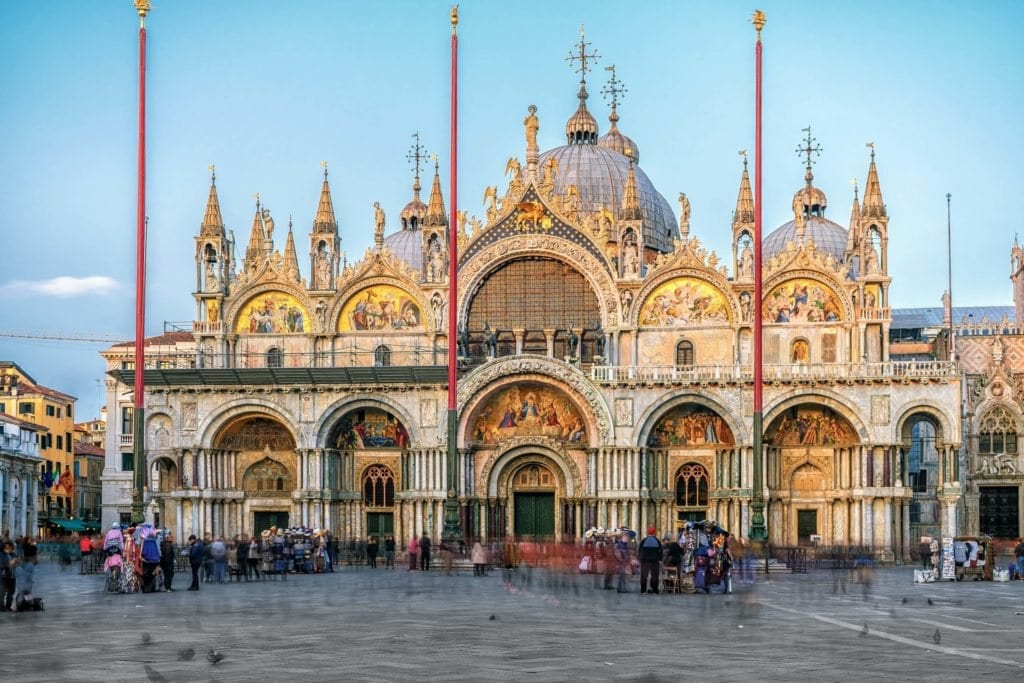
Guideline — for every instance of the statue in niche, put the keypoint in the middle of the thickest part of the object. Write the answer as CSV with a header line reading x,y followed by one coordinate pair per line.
x,y
745,306
627,301
212,281
437,303
490,340
746,265
631,259
436,262
321,314
323,268
871,260
463,348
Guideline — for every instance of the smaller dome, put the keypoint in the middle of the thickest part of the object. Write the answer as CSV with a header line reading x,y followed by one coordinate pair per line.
x,y
407,245
413,214
581,128
828,237
617,141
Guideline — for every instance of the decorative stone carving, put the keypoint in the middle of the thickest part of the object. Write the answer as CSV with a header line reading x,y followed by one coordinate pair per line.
x,y
880,410
623,412
523,443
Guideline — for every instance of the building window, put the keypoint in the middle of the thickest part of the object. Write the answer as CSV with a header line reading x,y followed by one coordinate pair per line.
x,y
60,442
26,408
274,358
67,441
998,433
78,469
378,487
126,420
127,462
684,353
3,407
51,411
70,416
692,486
127,365
382,356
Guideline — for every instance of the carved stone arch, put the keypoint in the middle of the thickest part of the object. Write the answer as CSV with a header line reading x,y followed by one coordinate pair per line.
x,y
660,407
821,277
396,280
213,423
159,433
474,271
710,277
817,397
334,412
944,426
484,379
239,299
167,469
501,464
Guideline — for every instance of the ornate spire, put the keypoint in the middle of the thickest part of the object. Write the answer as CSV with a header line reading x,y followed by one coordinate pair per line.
x,y
614,138
630,204
853,232
743,217
256,235
874,207
291,259
435,210
582,126
213,224
325,221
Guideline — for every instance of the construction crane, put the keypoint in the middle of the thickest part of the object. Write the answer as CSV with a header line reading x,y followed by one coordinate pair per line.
x,y
62,336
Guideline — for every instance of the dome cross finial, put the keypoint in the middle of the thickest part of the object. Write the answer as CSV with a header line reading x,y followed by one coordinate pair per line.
x,y
582,56
810,148
612,92
417,154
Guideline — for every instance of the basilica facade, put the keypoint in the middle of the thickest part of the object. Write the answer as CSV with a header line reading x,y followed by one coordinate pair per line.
x,y
605,368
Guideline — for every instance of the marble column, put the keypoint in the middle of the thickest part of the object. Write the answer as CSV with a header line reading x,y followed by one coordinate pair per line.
x,y
519,334
549,336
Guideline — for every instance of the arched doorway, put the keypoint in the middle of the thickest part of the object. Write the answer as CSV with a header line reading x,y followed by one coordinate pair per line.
x,y
261,451
379,500
692,493
533,489
811,452
163,481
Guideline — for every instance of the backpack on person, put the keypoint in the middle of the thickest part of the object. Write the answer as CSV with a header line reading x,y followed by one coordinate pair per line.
x,y
150,551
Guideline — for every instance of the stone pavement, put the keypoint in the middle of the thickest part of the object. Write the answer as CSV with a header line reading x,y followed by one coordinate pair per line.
x,y
362,625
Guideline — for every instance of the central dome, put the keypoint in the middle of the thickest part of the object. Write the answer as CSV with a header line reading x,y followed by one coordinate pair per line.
x,y
600,176
828,237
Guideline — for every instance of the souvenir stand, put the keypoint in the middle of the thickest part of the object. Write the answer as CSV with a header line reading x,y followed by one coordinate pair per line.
x,y
597,549
704,546
973,557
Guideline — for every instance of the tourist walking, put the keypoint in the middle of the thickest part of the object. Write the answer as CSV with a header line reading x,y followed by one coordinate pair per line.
x,y
414,552
167,561
620,551
196,553
150,554
425,553
219,554
371,551
242,551
649,553
1018,553
8,564
389,552
479,558
510,552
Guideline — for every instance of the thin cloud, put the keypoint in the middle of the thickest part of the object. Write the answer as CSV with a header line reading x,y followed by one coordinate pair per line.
x,y
65,286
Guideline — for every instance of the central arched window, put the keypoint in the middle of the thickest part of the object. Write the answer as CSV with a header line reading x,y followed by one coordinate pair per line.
x,y
382,356
378,487
274,357
534,294
684,353
692,486
998,432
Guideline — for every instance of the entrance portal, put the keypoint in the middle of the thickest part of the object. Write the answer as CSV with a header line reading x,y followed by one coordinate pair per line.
x,y
806,525
264,519
534,514
998,511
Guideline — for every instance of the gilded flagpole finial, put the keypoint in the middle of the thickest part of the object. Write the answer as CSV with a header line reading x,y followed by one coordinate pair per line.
x,y
455,17
759,20
142,7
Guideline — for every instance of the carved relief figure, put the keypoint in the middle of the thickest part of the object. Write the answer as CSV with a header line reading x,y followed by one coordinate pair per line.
x,y
690,425
381,307
802,301
684,301
746,302
437,304
527,409
321,314
212,282
684,211
746,264
532,125
490,340
801,352
323,267
378,219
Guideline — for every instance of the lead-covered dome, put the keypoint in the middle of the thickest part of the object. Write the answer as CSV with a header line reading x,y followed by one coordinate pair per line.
x,y
407,245
599,175
828,236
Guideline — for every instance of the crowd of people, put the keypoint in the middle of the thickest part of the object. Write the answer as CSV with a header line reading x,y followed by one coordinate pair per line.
x,y
18,559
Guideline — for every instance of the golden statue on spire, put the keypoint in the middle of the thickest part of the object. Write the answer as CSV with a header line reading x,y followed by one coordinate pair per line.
x,y
142,7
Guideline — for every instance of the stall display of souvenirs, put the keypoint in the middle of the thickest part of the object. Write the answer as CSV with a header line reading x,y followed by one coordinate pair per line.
x,y
705,560
297,550
973,557
598,544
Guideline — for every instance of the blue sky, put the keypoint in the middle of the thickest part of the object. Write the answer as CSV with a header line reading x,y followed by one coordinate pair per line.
x,y
266,90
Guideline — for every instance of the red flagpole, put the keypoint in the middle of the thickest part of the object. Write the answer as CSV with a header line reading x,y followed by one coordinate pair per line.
x,y
138,445
758,530
452,519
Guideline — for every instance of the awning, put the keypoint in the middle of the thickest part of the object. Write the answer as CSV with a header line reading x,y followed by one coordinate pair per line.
x,y
68,524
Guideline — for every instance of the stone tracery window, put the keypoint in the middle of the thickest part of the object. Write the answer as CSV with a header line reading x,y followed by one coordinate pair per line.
x,y
534,476
692,486
998,432
378,486
267,477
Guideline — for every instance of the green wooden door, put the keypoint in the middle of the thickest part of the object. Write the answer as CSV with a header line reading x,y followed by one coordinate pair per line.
x,y
380,524
265,519
806,524
535,514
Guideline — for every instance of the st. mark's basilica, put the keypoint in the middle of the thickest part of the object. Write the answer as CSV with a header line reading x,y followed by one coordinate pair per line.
x,y
605,368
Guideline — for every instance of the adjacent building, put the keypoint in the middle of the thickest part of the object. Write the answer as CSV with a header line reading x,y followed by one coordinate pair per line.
x,y
19,476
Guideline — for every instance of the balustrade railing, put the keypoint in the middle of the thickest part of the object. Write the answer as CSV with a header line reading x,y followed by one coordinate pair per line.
x,y
786,372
